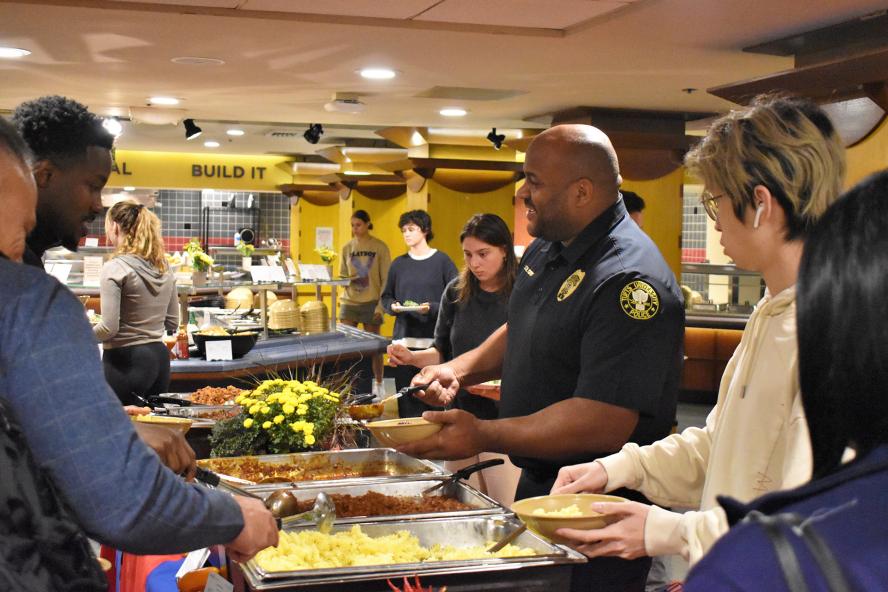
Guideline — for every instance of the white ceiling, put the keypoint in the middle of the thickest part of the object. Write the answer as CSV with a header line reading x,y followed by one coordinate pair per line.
x,y
285,58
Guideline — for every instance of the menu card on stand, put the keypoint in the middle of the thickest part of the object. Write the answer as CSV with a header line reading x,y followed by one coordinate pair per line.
x,y
268,273
59,271
291,269
311,272
218,350
92,270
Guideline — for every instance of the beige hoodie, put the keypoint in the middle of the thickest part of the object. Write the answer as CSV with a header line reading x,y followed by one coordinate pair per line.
x,y
755,441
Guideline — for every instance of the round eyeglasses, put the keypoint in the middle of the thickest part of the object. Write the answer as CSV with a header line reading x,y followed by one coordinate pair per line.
x,y
710,204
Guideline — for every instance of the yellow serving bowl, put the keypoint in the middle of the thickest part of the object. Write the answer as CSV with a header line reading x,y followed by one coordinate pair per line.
x,y
394,432
183,424
546,526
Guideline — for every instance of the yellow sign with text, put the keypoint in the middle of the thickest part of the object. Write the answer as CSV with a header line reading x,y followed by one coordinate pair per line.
x,y
174,170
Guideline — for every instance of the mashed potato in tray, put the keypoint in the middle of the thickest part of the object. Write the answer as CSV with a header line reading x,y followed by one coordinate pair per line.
x,y
310,549
571,511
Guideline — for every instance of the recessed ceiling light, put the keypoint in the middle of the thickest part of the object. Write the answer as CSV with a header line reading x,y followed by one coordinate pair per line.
x,y
129,188
235,132
378,73
163,101
211,144
453,112
13,52
196,61
113,126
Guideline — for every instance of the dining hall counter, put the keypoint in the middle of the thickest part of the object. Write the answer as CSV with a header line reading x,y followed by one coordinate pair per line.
x,y
346,349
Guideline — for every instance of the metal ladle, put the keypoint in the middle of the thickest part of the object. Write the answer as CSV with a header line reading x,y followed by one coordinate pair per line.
x,y
323,513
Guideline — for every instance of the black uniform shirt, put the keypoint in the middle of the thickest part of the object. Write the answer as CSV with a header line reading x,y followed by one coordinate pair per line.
x,y
602,319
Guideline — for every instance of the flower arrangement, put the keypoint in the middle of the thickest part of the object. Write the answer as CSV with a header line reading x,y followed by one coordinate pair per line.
x,y
245,249
200,261
327,254
277,417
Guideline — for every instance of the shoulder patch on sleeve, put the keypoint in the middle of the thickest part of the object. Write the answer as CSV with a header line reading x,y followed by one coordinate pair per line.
x,y
639,300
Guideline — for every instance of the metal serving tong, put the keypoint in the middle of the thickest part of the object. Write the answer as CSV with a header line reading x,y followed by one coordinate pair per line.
x,y
463,473
407,390
210,478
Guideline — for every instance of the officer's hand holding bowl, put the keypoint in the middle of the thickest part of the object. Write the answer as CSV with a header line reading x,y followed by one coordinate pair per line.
x,y
460,437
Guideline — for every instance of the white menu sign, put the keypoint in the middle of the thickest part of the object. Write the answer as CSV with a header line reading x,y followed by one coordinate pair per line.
x,y
92,270
218,350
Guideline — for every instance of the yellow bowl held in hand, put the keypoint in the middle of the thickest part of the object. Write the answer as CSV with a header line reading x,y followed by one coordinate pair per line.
x,y
183,424
547,513
395,432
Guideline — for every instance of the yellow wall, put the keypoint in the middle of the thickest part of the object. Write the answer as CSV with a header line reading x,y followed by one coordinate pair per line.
x,y
868,156
662,213
450,209
312,216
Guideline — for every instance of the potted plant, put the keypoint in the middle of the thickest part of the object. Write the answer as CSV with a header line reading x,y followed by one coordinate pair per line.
x,y
281,416
327,256
246,251
200,262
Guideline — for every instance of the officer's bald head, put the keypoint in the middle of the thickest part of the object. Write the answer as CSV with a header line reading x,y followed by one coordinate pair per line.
x,y
583,151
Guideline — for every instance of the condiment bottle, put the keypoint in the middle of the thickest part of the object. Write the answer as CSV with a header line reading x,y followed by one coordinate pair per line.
x,y
182,343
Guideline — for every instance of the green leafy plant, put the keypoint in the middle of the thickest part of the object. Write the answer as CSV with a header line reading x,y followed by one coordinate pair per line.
x,y
245,249
200,261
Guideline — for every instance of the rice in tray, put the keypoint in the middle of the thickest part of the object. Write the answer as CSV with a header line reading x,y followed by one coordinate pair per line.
x,y
310,549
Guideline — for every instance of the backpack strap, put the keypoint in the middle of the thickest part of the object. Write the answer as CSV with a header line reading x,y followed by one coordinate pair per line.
x,y
778,527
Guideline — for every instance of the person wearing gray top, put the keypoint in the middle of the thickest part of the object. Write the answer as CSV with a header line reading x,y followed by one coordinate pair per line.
x,y
138,303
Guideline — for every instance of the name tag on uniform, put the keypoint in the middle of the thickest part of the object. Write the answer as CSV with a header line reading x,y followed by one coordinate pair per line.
x,y
528,271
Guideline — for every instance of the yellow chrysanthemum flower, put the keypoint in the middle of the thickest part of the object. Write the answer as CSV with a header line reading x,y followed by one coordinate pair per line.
x,y
288,409
266,425
302,409
278,419
266,409
248,423
309,440
254,408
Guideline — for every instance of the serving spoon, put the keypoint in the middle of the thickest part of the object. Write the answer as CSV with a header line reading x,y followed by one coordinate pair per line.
x,y
323,513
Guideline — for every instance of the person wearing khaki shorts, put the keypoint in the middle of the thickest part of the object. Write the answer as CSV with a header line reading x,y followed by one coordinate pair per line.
x,y
365,260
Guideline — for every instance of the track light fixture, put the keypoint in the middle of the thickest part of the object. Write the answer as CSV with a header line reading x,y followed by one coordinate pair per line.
x,y
191,129
496,139
313,134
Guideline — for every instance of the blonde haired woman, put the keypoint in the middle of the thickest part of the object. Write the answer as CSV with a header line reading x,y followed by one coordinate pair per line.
x,y
770,171
138,302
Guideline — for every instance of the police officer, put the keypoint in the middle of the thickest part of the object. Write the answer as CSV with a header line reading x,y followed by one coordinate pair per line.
x,y
591,355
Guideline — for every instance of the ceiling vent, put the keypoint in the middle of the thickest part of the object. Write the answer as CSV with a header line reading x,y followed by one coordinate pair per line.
x,y
462,93
345,103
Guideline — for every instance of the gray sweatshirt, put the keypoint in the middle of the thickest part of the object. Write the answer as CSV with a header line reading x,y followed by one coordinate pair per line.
x,y
138,303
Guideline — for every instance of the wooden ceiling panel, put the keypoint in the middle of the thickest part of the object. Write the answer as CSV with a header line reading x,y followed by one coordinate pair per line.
x,y
393,9
552,14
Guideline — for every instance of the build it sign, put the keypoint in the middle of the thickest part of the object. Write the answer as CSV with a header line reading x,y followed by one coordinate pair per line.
x,y
171,170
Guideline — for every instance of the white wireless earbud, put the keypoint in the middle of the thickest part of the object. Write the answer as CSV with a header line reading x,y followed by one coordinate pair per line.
x,y
758,215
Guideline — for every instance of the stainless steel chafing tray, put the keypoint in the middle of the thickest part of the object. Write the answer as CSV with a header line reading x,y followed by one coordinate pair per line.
x,y
313,467
479,503
456,531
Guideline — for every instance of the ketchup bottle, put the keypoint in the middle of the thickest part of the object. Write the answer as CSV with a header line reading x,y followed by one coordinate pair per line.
x,y
182,343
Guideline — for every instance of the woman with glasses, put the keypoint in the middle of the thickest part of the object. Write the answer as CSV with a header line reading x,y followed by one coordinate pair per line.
x,y
770,170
